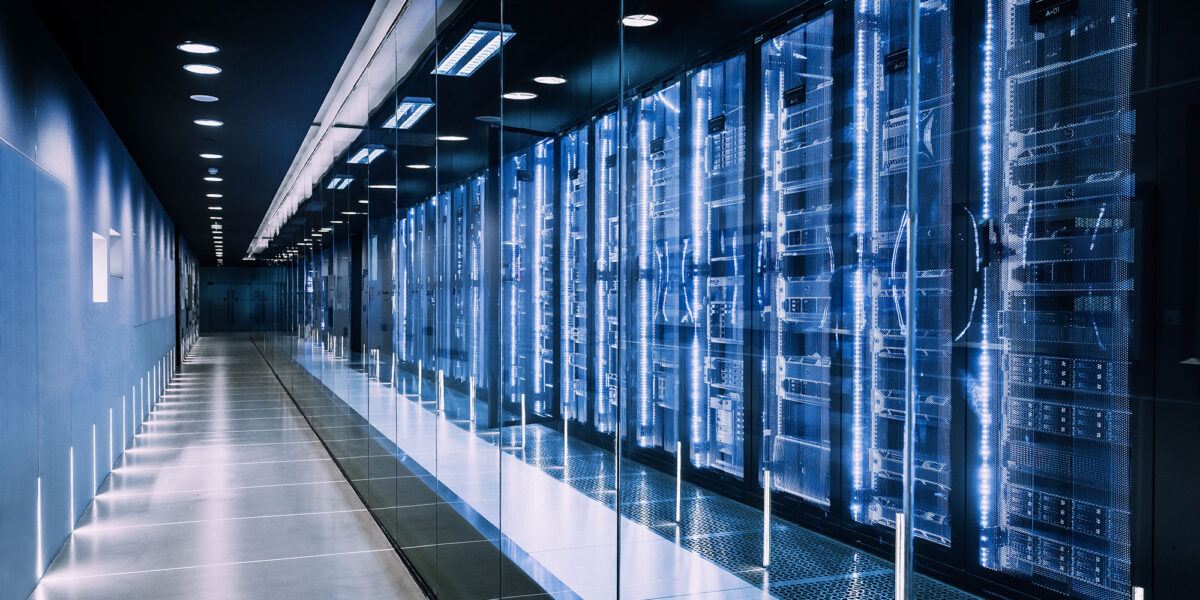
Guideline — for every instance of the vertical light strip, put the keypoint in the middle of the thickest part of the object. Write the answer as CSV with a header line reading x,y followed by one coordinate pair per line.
x,y
766,548
645,400
71,489
38,543
699,407
93,460
602,264
567,268
539,205
860,191
983,387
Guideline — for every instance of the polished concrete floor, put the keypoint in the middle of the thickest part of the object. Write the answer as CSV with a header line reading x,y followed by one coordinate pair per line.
x,y
227,493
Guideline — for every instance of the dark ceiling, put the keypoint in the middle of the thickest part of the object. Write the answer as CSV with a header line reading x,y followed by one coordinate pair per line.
x,y
278,59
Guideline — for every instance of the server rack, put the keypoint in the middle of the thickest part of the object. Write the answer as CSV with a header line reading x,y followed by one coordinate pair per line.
x,y
657,218
574,245
527,311
607,251
798,259
713,254
476,285
879,286
1054,373
400,333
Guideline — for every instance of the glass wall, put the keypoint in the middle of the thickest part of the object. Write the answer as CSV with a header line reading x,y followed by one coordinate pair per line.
x,y
825,299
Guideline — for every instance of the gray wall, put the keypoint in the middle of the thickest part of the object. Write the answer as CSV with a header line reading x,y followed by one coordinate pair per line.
x,y
66,362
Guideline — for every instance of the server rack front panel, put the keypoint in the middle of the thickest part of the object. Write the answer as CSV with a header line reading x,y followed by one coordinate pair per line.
x,y
1055,508
476,340
798,259
714,258
527,311
608,274
573,280
879,289
657,221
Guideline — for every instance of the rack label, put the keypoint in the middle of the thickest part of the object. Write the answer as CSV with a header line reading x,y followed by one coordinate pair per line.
x,y
796,95
896,61
716,124
1041,11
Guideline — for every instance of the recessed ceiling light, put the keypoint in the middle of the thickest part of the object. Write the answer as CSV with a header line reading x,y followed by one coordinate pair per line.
x,y
520,96
213,171
202,69
337,222
198,48
210,155
215,217
364,201
204,98
213,179
208,122
452,138
642,20
550,80
487,119
214,208
215,195
382,186
349,213
417,166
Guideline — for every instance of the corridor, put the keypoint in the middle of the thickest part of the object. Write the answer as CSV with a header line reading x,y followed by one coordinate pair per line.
x,y
226,493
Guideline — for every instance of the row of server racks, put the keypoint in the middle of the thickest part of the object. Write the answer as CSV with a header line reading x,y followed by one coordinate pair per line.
x,y
713,273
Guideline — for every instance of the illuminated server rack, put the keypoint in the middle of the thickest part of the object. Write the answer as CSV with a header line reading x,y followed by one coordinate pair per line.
x,y
527,279
713,260
879,284
452,235
1055,504
476,340
400,295
657,255
439,208
797,259
407,285
607,249
573,276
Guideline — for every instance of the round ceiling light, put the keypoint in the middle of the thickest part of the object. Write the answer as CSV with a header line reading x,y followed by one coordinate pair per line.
x,y
198,48
417,166
200,69
213,179
520,96
214,208
642,20
208,122
452,138
203,98
550,80
215,195
210,155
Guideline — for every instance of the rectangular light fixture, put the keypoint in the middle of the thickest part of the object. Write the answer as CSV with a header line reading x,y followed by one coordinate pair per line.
x,y
339,182
480,44
410,111
366,154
